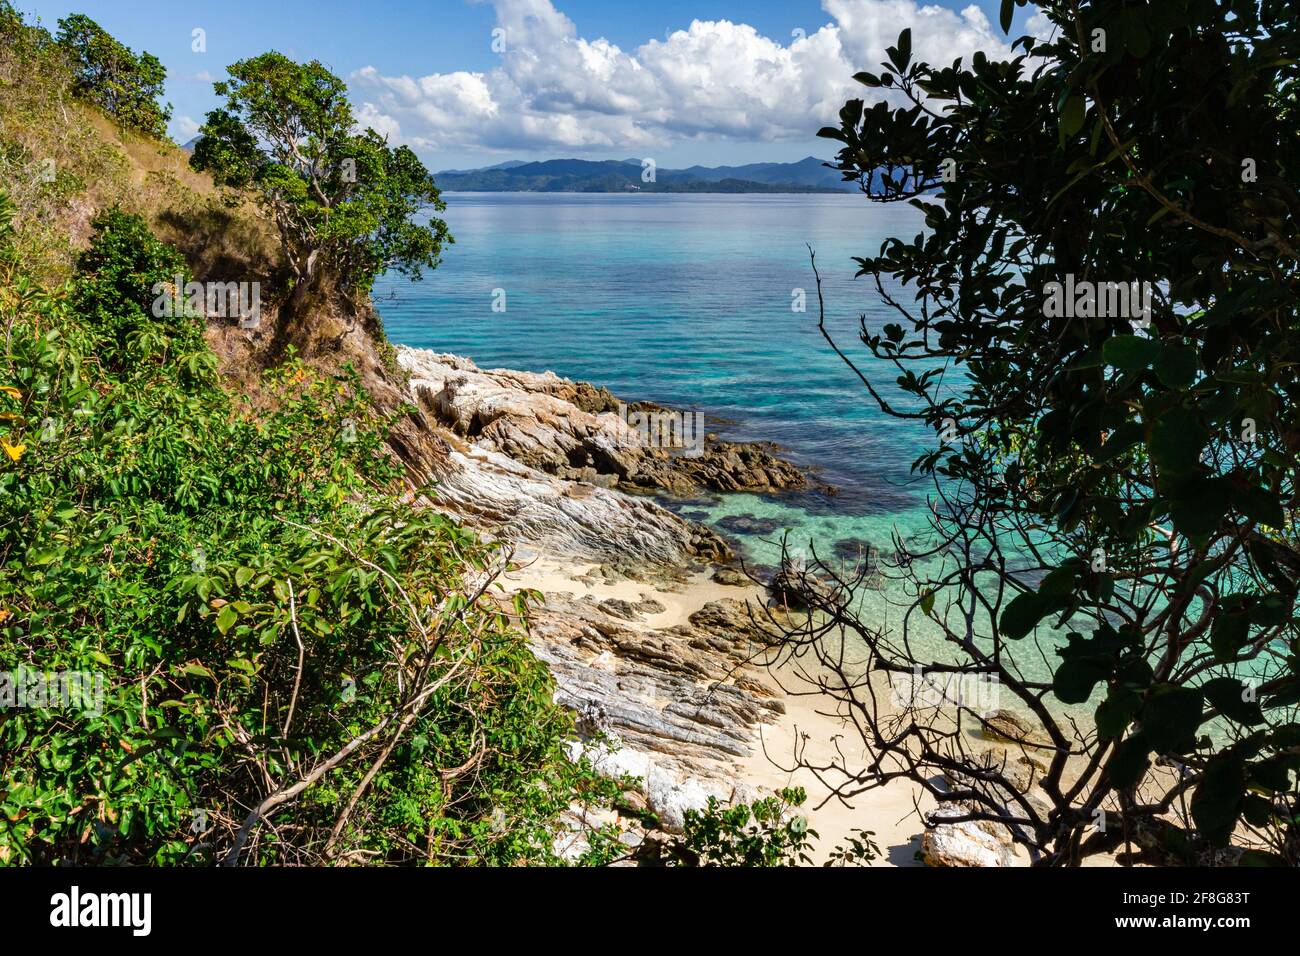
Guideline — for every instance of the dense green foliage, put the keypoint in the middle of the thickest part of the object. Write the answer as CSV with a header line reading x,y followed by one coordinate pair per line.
x,y
762,833
1128,479
126,86
344,203
257,601
767,832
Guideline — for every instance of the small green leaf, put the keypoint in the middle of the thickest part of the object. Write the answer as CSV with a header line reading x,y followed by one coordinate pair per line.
x,y
1216,802
1176,366
1177,438
1072,115
901,54
1076,677
1129,761
226,619
1261,506
1130,353
1170,718
1023,614
1228,696
1116,712
1229,634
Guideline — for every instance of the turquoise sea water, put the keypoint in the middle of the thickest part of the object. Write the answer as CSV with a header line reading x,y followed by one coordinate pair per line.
x,y
689,300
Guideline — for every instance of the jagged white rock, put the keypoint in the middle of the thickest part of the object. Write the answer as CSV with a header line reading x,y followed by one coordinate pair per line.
x,y
484,485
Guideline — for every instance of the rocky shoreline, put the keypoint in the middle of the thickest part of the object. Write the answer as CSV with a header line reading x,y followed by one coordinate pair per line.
x,y
550,463
658,645
581,432
645,646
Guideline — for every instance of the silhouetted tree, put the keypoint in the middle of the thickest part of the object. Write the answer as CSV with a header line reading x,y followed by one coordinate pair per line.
x,y
1114,485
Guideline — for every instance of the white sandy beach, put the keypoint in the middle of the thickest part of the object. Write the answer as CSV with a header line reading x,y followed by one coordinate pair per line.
x,y
891,812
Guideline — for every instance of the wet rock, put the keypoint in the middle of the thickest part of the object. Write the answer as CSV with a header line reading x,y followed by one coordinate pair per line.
x,y
799,589
731,576
854,550
1021,771
707,544
648,605
728,615
571,431
629,611
1004,726
749,524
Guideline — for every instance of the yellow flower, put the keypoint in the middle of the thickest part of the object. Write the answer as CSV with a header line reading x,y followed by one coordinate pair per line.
x,y
13,451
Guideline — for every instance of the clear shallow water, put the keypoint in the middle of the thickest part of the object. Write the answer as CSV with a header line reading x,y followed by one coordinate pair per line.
x,y
687,300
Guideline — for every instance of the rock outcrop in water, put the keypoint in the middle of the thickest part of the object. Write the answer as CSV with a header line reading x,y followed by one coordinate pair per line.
x,y
489,491
574,431
795,586
487,479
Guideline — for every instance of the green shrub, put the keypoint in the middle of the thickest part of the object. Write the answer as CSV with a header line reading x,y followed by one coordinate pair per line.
x,y
263,609
763,833
119,279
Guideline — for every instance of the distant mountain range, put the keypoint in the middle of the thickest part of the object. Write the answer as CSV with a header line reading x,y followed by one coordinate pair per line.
x,y
625,175
808,175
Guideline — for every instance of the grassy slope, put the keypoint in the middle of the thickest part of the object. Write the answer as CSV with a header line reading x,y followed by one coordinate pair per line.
x,y
99,165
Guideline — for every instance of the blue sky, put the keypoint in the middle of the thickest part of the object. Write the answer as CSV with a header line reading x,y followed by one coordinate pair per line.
x,y
751,81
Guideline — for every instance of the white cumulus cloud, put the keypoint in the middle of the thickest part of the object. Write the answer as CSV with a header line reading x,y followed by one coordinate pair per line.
x,y
555,89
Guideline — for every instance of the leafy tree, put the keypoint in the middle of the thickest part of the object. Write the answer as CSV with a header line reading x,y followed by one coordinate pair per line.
x,y
107,73
344,203
11,21
1115,490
